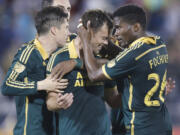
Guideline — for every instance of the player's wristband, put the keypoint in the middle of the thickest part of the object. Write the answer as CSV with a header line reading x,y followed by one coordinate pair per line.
x,y
79,64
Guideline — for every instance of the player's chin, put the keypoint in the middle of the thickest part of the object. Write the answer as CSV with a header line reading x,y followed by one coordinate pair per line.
x,y
62,44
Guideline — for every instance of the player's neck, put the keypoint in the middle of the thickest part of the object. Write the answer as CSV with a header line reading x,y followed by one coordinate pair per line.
x,y
48,44
142,34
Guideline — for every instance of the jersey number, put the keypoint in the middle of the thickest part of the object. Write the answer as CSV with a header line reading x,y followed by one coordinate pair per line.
x,y
147,100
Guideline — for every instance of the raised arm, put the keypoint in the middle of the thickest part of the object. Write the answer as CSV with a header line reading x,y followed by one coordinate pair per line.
x,y
93,67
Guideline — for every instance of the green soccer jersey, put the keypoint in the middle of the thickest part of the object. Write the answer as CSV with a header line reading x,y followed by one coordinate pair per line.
x,y
87,115
143,68
28,67
117,119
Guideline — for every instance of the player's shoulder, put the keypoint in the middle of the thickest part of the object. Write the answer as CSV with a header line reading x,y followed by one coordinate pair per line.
x,y
60,51
57,56
141,46
147,42
24,52
147,45
26,46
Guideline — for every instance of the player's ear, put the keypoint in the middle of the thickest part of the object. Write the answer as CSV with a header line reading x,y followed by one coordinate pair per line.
x,y
53,31
136,28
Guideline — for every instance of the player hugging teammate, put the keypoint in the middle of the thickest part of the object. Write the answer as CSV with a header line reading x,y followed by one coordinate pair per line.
x,y
73,80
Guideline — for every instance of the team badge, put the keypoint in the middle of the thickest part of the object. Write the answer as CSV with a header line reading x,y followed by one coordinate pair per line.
x,y
19,68
111,63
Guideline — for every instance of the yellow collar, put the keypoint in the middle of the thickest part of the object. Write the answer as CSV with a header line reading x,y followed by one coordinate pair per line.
x,y
72,50
41,49
147,40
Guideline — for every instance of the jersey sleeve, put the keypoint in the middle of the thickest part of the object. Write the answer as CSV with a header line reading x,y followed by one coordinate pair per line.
x,y
120,66
16,80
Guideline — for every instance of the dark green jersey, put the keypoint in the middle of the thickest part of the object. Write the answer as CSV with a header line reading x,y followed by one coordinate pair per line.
x,y
28,67
87,115
117,118
97,88
117,121
143,68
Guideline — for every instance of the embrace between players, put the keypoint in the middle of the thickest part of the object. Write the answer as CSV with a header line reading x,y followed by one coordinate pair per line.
x,y
61,81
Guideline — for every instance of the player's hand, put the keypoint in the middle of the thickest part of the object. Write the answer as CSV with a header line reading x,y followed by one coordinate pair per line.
x,y
84,34
63,68
53,85
65,101
170,85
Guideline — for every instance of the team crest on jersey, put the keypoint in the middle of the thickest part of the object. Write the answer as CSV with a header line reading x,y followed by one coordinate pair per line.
x,y
111,63
19,68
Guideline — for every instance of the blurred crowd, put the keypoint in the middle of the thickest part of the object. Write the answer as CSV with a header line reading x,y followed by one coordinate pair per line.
x,y
17,27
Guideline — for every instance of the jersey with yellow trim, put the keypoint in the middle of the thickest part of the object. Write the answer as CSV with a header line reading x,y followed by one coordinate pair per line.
x,y
97,88
28,67
87,115
117,119
143,68
71,37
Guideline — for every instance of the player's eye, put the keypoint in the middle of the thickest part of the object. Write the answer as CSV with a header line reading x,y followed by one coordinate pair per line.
x,y
69,9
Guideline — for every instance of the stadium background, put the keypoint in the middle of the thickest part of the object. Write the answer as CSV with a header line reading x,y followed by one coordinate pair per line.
x,y
16,27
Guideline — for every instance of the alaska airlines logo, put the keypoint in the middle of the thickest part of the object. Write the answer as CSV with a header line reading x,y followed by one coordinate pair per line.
x,y
79,80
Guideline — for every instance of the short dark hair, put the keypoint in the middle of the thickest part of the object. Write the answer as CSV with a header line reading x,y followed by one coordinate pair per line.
x,y
97,19
46,3
48,17
132,14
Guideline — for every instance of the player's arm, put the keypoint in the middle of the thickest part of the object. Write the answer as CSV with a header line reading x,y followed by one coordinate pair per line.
x,y
111,94
17,83
64,67
67,66
93,67
56,101
112,97
119,67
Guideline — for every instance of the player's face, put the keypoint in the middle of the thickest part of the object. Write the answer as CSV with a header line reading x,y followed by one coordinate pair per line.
x,y
99,38
62,33
123,32
65,4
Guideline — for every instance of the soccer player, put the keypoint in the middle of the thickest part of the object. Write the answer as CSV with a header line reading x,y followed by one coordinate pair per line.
x,y
143,68
117,121
87,115
26,78
64,4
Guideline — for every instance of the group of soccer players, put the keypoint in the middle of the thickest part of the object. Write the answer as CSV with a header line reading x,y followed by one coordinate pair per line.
x,y
61,81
